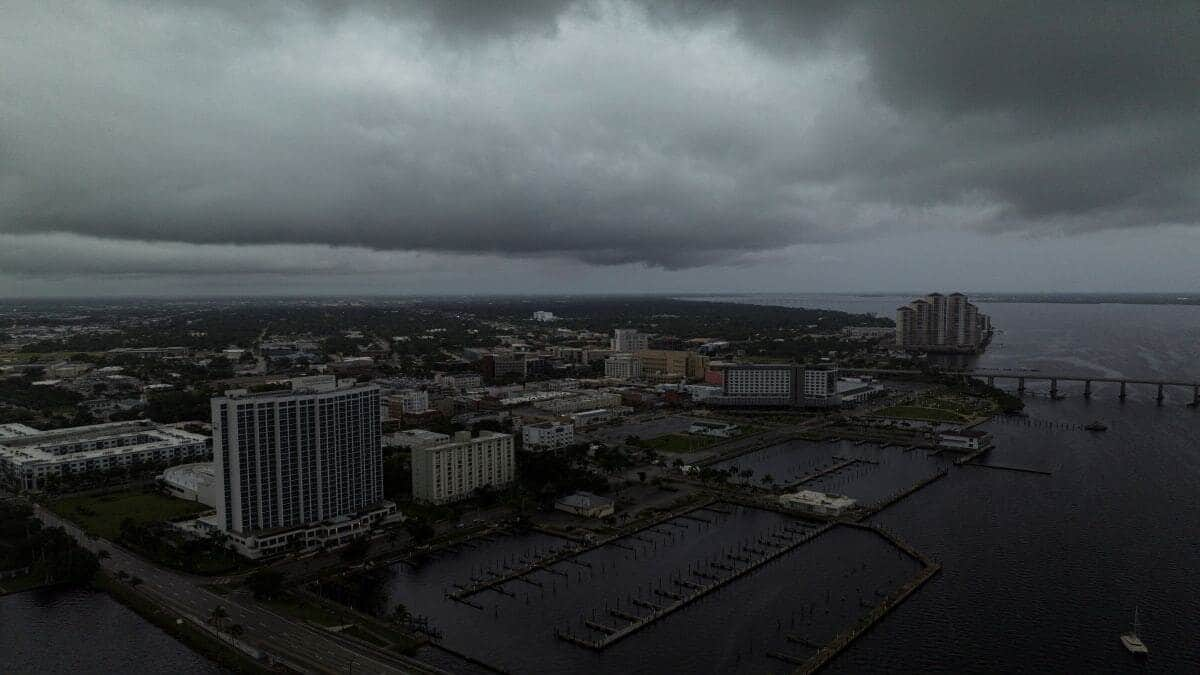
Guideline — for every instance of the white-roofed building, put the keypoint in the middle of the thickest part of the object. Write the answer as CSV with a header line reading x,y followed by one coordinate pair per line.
x,y
193,482
28,457
586,504
547,436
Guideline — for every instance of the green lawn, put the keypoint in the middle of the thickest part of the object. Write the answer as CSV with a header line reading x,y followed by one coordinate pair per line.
x,y
679,442
913,412
101,515
329,614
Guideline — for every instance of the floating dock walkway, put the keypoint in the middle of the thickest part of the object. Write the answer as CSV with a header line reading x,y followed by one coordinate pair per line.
x,y
678,602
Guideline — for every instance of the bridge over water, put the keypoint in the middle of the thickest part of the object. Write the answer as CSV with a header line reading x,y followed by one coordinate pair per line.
x,y
1054,378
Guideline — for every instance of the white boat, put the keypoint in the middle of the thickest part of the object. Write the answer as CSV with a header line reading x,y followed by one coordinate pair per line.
x,y
1132,641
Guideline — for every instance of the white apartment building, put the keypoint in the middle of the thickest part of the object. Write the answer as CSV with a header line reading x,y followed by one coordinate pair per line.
x,y
623,367
29,457
452,471
296,467
547,436
628,340
544,316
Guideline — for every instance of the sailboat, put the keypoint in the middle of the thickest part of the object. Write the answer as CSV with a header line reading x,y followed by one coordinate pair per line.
x,y
1131,640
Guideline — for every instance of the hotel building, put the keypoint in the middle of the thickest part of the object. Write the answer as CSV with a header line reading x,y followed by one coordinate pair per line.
x,y
299,467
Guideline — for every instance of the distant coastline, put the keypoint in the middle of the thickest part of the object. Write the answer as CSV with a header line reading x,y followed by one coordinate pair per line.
x,y
1034,298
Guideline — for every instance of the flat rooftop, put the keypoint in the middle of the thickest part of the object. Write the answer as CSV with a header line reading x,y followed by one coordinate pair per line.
x,y
92,442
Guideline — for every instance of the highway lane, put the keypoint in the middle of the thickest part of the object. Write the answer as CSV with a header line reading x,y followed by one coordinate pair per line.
x,y
304,647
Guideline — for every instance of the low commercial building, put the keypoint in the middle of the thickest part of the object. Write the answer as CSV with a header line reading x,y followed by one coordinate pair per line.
x,y
452,471
586,504
701,392
586,401
868,332
547,436
591,418
718,429
28,457
407,402
533,398
966,439
411,439
458,381
819,503
853,390
329,533
193,482
68,369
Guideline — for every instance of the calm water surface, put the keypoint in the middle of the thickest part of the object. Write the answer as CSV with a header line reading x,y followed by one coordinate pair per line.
x,y
79,631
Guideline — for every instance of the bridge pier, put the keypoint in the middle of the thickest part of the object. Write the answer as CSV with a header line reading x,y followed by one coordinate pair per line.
x,y
1020,385
1122,394
991,381
1087,388
1196,396
1159,397
1053,388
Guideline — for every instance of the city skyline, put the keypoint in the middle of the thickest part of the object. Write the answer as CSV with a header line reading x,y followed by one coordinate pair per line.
x,y
348,148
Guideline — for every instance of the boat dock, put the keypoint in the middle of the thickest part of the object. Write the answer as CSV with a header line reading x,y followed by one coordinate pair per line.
x,y
1007,468
773,547
569,554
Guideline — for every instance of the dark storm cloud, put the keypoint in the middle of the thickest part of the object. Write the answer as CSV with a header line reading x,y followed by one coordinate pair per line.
x,y
676,134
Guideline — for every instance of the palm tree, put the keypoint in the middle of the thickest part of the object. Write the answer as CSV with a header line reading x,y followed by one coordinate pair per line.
x,y
217,615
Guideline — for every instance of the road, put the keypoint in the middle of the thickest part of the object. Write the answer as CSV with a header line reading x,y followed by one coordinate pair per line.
x,y
296,644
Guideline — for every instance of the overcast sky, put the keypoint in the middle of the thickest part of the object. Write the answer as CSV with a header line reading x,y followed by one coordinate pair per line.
x,y
201,147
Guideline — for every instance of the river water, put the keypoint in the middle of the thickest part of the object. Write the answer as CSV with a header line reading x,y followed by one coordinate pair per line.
x,y
1040,573
79,631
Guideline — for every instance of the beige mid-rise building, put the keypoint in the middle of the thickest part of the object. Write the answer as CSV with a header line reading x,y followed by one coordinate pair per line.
x,y
939,322
685,364
452,471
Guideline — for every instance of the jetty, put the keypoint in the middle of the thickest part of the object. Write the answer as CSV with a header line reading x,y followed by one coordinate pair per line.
x,y
697,591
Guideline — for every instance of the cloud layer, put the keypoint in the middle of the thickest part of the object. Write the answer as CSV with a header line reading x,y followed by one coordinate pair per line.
x,y
669,134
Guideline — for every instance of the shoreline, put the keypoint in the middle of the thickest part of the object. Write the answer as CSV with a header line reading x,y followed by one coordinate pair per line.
x,y
185,633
